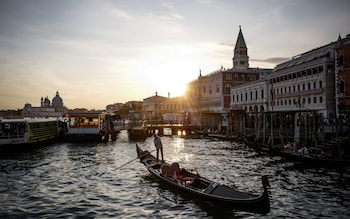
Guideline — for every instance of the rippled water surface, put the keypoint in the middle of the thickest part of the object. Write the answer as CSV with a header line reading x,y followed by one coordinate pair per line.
x,y
65,180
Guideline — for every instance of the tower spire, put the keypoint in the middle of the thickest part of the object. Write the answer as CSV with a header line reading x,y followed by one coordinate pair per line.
x,y
240,53
240,43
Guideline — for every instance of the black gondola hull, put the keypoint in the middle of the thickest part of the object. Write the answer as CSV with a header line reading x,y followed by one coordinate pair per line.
x,y
221,195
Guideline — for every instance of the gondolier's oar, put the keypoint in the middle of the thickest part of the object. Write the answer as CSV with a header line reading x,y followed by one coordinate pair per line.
x,y
135,159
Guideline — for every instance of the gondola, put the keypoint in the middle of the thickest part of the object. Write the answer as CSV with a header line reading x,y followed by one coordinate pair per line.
x,y
314,160
186,182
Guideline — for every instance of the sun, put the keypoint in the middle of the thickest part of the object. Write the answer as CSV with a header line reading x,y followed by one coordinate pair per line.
x,y
175,76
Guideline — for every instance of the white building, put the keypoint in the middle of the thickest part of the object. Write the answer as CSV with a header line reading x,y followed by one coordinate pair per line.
x,y
306,82
251,96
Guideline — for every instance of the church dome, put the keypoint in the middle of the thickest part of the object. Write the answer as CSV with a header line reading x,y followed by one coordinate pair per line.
x,y
57,101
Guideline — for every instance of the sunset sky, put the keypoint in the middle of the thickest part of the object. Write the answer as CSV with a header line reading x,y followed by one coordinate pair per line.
x,y
99,52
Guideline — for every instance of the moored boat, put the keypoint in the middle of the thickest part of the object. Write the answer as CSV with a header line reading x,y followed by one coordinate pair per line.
x,y
318,160
29,131
189,183
84,126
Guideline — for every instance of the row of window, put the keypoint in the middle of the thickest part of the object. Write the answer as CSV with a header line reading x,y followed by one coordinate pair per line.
x,y
173,106
168,106
252,96
210,89
303,87
289,102
299,74
228,87
250,77
298,102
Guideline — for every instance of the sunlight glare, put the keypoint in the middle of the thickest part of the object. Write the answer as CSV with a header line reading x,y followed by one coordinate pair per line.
x,y
172,77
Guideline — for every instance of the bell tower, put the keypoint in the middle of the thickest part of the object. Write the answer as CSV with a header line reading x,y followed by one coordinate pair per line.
x,y
240,53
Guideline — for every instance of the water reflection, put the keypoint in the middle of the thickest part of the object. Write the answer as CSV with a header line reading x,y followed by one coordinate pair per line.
x,y
83,180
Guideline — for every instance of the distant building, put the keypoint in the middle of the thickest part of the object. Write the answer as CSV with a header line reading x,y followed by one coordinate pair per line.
x,y
213,91
10,114
136,108
46,109
153,107
111,108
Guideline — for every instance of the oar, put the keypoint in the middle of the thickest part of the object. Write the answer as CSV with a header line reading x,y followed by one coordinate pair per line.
x,y
135,159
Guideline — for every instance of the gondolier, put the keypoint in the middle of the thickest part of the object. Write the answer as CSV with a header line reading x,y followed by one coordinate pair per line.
x,y
159,146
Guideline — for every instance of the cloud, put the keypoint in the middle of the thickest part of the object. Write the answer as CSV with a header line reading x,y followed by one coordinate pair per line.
x,y
204,1
167,5
231,45
173,17
121,14
274,60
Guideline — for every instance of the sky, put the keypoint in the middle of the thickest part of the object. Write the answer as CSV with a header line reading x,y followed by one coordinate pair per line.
x,y
100,52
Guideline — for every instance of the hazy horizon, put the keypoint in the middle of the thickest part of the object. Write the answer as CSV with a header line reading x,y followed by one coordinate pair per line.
x,y
97,53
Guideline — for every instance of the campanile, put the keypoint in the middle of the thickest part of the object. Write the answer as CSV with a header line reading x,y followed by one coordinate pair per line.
x,y
240,53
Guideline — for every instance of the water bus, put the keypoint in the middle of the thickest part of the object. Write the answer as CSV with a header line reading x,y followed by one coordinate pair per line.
x,y
29,130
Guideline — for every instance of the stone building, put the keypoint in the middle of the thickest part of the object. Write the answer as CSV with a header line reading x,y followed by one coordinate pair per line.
x,y
301,96
213,91
46,109
306,82
342,70
153,108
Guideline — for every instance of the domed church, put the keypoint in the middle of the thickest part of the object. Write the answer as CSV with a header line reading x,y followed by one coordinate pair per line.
x,y
57,101
46,109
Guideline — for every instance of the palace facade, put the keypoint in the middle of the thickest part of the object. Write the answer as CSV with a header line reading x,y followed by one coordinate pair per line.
x,y
213,91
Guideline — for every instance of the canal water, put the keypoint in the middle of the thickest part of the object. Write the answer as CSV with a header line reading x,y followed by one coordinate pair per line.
x,y
65,180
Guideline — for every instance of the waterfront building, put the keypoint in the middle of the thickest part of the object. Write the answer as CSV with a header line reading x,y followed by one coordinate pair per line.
x,y
213,91
46,109
111,108
181,110
251,101
309,85
152,107
342,70
306,82
135,112
176,110
299,95
11,114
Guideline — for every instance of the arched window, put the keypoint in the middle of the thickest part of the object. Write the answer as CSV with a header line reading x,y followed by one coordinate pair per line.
x,y
228,89
340,60
341,87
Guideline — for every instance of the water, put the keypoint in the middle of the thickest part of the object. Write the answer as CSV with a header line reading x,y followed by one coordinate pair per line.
x,y
66,180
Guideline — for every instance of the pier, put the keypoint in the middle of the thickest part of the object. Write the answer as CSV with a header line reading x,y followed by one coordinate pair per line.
x,y
160,128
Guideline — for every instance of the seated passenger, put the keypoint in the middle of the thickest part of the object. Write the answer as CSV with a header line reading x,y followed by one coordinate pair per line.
x,y
304,151
167,170
289,147
176,168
